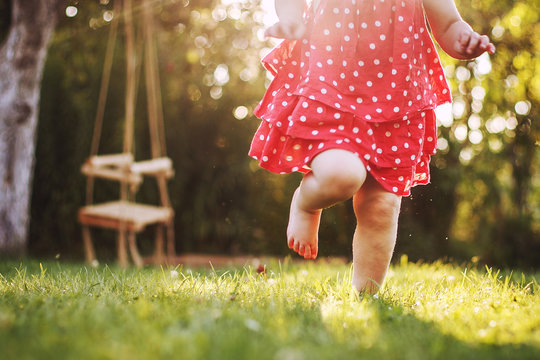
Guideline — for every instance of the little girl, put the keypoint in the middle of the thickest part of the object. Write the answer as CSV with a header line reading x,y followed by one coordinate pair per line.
x,y
352,106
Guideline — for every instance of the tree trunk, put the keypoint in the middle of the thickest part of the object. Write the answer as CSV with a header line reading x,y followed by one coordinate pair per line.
x,y
22,57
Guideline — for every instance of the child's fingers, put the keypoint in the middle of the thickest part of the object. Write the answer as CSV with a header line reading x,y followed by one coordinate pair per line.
x,y
486,45
291,31
473,43
462,42
274,31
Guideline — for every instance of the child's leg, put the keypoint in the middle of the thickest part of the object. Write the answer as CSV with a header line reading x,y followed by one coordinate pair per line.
x,y
377,212
336,176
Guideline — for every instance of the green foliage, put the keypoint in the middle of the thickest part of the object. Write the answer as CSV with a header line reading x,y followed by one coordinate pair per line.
x,y
485,193
292,311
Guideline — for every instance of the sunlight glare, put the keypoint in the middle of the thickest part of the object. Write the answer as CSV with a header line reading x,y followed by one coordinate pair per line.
x,y
483,64
108,16
241,112
460,132
221,74
71,11
444,115
496,125
522,107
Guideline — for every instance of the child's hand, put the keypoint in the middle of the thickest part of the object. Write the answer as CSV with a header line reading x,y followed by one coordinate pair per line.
x,y
470,44
290,29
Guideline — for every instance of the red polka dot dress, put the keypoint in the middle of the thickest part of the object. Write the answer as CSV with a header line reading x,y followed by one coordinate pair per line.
x,y
365,78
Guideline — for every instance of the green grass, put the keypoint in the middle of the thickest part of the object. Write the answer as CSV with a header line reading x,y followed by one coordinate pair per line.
x,y
293,311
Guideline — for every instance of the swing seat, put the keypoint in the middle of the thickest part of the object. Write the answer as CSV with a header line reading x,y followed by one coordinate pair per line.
x,y
121,167
124,215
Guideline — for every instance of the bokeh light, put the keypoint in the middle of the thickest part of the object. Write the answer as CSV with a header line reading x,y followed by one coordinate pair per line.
x,y
71,11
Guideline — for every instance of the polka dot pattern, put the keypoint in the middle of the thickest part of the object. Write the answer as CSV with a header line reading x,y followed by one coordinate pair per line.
x,y
366,78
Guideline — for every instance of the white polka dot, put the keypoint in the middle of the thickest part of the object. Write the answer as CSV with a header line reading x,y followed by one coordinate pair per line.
x,y
394,148
397,161
395,189
314,132
320,110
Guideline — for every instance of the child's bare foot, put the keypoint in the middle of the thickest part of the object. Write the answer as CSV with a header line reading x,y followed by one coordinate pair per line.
x,y
303,228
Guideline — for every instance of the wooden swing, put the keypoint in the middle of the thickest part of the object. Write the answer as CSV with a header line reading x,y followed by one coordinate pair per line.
x,y
125,215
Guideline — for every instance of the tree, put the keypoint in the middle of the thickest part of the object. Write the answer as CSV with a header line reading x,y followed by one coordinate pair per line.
x,y
22,57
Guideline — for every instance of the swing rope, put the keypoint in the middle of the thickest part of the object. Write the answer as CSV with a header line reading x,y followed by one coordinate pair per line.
x,y
105,79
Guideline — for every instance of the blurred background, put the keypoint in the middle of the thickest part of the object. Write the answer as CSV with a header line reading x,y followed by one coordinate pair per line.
x,y
483,203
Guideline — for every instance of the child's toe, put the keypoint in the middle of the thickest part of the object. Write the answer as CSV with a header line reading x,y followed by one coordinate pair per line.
x,y
307,252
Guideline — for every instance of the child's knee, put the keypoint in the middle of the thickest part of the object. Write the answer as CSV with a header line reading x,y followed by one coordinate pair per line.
x,y
342,182
340,174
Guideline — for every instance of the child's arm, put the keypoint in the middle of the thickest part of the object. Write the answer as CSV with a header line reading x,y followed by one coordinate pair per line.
x,y
453,34
291,23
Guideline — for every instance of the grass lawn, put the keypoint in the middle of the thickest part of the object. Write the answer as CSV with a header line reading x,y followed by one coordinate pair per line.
x,y
292,311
